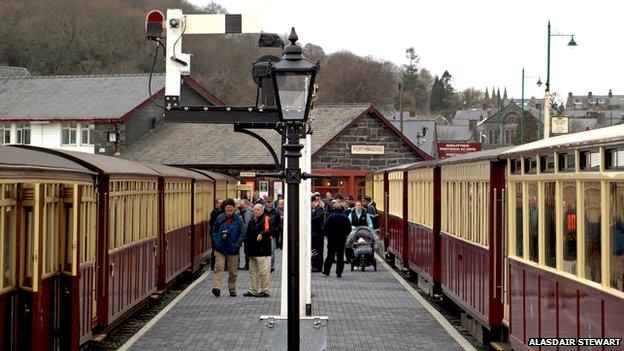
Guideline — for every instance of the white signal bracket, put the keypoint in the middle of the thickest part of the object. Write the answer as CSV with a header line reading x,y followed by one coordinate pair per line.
x,y
177,25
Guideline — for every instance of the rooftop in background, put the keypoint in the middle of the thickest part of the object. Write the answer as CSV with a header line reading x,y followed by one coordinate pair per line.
x,y
81,97
471,113
12,72
89,97
413,130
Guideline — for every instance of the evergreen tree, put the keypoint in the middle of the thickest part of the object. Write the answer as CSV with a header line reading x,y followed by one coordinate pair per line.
x,y
530,129
437,95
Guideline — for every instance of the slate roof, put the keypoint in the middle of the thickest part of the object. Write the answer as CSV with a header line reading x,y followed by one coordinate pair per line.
x,y
88,97
212,144
411,128
8,72
468,114
454,133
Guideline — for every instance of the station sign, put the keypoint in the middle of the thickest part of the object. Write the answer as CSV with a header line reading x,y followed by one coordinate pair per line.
x,y
559,125
367,149
247,174
454,149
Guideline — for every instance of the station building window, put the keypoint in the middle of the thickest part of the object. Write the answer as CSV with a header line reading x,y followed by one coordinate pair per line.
x,y
569,226
68,133
85,134
6,133
592,231
533,222
22,133
616,236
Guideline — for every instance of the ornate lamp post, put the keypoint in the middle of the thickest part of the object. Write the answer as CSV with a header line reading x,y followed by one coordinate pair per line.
x,y
539,84
572,44
293,79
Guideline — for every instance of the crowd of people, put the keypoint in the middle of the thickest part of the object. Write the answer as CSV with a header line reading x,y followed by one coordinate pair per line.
x,y
245,236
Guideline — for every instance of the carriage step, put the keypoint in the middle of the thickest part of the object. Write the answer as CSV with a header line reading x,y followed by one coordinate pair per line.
x,y
500,346
99,337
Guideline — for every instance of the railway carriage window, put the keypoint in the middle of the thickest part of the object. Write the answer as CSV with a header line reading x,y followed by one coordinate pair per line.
x,y
29,230
547,164
530,165
533,222
8,215
516,166
519,221
592,231
566,162
6,133
569,226
68,133
614,159
550,225
616,236
590,160
69,227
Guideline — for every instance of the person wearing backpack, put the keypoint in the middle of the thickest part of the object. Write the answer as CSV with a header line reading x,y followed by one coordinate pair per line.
x,y
258,244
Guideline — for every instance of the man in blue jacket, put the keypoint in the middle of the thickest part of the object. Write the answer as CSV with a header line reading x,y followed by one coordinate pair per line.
x,y
337,227
228,237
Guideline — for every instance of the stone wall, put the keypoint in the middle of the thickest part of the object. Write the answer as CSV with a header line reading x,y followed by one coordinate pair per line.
x,y
366,131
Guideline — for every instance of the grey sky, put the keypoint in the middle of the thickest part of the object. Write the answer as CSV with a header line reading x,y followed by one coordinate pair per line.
x,y
480,42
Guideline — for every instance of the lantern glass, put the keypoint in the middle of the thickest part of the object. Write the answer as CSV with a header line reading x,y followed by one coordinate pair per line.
x,y
293,90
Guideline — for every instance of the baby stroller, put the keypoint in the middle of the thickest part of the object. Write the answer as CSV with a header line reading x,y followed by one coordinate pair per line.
x,y
361,242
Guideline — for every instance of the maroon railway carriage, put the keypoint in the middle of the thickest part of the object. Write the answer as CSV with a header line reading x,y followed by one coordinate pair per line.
x,y
423,224
472,187
565,242
45,203
395,214
127,235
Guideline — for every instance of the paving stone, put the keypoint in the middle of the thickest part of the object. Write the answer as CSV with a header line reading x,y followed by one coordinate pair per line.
x,y
367,311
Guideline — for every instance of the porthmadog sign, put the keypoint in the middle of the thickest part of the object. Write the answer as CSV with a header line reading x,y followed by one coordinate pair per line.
x,y
367,149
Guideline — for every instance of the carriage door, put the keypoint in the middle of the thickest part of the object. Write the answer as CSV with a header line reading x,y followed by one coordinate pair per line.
x,y
8,294
67,303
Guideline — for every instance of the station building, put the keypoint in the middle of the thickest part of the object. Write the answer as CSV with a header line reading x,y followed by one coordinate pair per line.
x,y
348,142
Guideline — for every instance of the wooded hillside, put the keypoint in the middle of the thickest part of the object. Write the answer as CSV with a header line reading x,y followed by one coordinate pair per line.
x,y
64,37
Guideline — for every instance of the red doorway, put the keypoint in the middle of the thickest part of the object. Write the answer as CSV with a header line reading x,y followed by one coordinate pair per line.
x,y
345,182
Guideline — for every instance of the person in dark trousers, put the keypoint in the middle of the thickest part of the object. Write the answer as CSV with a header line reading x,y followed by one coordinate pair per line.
x,y
246,215
216,211
337,228
371,209
228,238
258,245
276,227
318,238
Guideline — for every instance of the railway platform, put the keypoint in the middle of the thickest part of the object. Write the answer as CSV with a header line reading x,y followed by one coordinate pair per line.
x,y
367,311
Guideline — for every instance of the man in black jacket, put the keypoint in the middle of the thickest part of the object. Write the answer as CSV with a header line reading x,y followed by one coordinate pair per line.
x,y
318,239
216,211
276,227
337,228
258,245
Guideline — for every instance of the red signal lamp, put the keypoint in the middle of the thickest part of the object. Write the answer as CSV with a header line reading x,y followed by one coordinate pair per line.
x,y
154,25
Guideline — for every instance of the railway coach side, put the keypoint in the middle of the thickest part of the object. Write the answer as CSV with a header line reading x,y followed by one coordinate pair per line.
x,y
471,234
565,235
423,224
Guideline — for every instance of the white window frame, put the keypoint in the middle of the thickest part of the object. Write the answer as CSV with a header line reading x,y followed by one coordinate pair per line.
x,y
89,129
6,132
69,127
20,132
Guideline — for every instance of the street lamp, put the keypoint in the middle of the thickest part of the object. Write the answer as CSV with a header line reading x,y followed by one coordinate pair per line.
x,y
293,81
539,84
571,44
